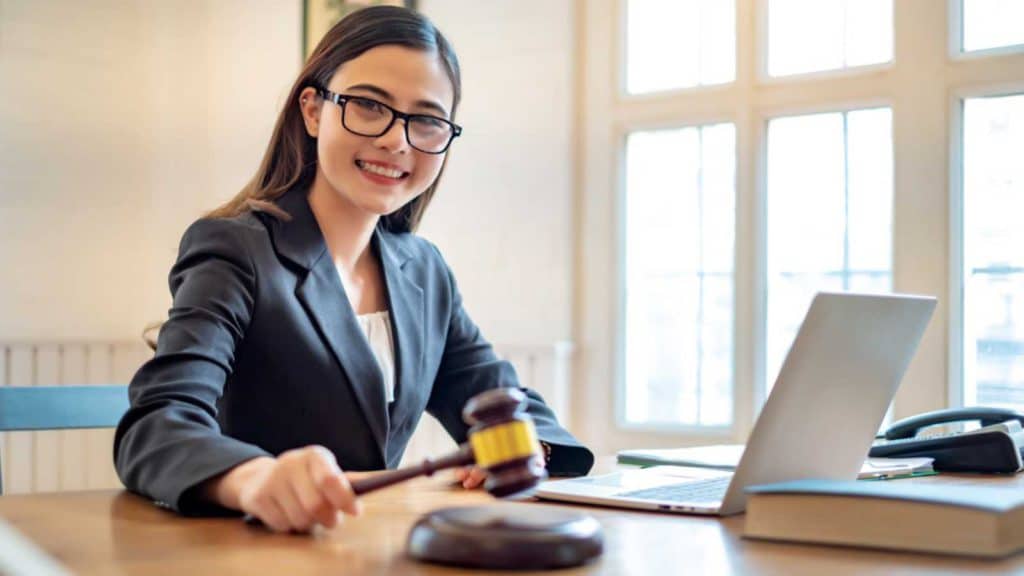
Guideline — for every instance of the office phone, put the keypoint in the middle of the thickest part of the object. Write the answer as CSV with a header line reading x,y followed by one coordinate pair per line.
x,y
995,447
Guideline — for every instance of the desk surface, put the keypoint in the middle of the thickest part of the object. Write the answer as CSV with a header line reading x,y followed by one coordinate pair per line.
x,y
113,532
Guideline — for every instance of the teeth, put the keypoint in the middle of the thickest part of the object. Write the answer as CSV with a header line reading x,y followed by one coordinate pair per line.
x,y
380,170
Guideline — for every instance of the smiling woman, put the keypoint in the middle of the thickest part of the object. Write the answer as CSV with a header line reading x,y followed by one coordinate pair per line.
x,y
311,328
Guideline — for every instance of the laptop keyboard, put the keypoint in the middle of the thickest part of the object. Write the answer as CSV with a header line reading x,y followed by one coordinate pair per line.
x,y
710,490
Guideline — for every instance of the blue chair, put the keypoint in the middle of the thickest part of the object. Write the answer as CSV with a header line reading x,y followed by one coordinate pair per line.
x,y
32,408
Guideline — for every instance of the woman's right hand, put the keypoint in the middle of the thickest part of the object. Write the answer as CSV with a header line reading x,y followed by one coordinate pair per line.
x,y
293,492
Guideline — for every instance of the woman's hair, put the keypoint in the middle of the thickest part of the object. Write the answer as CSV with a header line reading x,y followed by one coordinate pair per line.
x,y
291,156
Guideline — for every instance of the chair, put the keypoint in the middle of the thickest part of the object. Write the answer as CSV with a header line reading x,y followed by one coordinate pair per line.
x,y
31,408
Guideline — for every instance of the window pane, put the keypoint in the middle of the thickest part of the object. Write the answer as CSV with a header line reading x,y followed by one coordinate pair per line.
x,y
993,280
829,215
814,35
672,44
680,221
992,23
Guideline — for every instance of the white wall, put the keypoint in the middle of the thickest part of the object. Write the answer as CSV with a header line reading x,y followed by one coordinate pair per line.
x,y
502,216
122,121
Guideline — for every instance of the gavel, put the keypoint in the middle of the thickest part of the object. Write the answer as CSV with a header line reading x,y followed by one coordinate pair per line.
x,y
502,440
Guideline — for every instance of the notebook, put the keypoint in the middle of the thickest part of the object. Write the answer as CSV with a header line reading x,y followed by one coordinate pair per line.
x,y
828,401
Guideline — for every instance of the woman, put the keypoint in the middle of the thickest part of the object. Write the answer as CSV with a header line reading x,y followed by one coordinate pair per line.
x,y
310,327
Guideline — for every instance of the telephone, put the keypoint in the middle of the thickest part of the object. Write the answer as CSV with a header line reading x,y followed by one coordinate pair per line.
x,y
994,447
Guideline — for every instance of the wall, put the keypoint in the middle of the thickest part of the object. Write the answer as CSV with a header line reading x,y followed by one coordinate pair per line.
x,y
120,123
503,215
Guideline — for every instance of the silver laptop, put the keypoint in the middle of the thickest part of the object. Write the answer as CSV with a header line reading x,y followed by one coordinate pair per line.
x,y
827,404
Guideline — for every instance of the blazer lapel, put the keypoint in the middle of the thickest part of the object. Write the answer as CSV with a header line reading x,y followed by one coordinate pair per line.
x,y
405,299
323,296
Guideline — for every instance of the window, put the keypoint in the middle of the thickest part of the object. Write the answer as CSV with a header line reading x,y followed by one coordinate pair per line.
x,y
679,44
993,251
991,24
816,35
845,174
680,214
829,215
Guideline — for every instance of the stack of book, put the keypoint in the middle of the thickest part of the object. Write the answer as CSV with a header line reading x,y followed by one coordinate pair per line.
x,y
942,518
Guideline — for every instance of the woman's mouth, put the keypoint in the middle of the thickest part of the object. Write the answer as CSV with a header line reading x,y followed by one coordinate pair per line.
x,y
381,171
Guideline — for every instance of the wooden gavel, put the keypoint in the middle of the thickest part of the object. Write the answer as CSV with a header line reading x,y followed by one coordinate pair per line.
x,y
502,440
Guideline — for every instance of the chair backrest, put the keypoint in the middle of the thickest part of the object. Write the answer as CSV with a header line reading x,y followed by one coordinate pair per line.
x,y
60,408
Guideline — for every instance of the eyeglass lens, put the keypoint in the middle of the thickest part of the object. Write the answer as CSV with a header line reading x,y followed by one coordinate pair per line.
x,y
369,118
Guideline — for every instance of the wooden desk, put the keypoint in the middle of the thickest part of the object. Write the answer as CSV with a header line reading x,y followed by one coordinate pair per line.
x,y
114,532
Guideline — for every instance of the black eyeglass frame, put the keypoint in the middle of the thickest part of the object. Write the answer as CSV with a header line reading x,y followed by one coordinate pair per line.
x,y
341,99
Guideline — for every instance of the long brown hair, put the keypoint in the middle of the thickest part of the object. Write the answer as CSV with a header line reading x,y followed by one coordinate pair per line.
x,y
290,159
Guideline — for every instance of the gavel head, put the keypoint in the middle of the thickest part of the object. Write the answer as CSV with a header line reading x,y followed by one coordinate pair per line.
x,y
504,441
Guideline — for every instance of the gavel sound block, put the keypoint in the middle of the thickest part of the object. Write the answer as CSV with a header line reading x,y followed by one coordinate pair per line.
x,y
502,439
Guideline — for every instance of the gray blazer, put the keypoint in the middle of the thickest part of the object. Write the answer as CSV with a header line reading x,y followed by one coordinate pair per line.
x,y
262,353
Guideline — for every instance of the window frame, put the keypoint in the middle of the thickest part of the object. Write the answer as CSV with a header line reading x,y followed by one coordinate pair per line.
x,y
954,8
763,77
922,86
957,99
619,398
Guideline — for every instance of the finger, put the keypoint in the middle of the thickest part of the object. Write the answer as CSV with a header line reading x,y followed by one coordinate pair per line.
x,y
272,516
314,503
333,484
475,478
461,473
327,515
350,502
292,508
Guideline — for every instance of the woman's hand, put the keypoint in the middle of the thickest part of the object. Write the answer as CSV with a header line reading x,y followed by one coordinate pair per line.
x,y
293,492
470,476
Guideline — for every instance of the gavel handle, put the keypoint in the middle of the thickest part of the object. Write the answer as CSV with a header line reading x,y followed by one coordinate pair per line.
x,y
462,457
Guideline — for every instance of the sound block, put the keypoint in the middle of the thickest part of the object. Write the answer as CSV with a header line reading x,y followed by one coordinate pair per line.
x,y
513,536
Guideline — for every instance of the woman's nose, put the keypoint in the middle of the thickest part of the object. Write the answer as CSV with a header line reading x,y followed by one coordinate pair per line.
x,y
394,139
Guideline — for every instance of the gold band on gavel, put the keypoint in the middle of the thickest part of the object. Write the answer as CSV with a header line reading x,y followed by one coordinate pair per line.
x,y
504,443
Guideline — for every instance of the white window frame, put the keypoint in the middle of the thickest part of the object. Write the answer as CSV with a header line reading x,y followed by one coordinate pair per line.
x,y
956,222
923,85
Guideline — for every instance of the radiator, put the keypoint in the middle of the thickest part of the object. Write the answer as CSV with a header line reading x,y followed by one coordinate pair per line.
x,y
63,460
83,459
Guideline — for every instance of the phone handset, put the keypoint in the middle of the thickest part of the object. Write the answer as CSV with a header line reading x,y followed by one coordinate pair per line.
x,y
908,427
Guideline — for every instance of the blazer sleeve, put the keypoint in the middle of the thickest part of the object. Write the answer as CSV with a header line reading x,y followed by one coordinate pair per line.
x,y
469,366
169,441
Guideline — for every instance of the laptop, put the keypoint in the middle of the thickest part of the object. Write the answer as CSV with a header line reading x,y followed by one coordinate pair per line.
x,y
829,399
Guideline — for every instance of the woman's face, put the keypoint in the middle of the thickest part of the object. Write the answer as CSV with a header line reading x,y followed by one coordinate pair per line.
x,y
379,175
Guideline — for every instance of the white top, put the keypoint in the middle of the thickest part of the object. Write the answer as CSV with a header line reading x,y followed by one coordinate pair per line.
x,y
377,328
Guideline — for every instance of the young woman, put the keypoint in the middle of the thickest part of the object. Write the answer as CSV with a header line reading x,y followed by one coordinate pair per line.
x,y
311,328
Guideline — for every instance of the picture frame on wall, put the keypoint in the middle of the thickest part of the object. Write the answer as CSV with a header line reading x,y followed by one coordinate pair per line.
x,y
319,15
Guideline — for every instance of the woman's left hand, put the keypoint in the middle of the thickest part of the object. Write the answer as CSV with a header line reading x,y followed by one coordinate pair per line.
x,y
470,476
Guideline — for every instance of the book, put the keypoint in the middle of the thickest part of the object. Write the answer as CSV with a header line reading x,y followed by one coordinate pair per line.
x,y
957,519
727,456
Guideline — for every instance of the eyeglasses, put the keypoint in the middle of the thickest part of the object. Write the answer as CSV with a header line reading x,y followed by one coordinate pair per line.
x,y
368,117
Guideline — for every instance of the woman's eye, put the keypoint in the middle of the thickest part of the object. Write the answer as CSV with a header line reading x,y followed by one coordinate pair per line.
x,y
368,105
431,123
